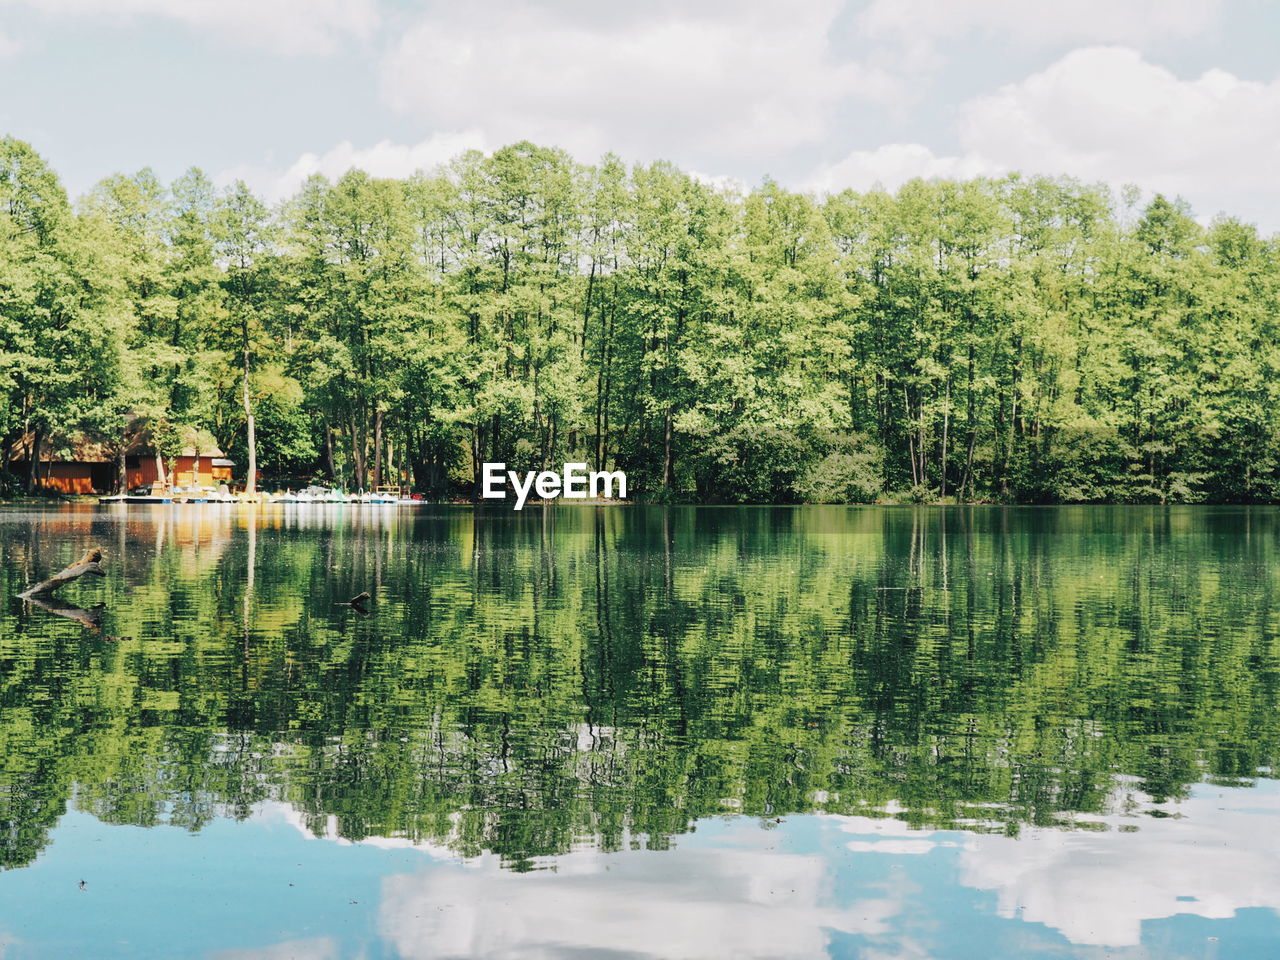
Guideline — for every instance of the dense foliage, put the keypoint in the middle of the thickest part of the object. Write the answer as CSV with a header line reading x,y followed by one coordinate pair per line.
x,y
1017,339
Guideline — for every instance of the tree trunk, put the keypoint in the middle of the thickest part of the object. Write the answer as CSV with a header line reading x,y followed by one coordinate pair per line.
x,y
377,447
34,459
911,437
357,455
251,440
4,457
328,451
946,422
586,310
967,479
921,448
475,455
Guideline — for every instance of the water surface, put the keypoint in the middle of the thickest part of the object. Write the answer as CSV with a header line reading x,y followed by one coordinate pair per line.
x,y
642,732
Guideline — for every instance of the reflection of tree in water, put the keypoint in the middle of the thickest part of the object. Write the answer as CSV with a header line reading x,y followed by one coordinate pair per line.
x,y
526,682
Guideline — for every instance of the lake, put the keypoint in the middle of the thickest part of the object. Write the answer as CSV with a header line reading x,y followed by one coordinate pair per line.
x,y
972,732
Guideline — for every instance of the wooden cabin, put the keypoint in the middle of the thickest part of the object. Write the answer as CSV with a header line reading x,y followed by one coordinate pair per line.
x,y
84,466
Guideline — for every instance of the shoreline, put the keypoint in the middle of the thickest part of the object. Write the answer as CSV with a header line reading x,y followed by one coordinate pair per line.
x,y
86,500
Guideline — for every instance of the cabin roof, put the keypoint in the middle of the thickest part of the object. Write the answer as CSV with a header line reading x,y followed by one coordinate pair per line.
x,y
81,448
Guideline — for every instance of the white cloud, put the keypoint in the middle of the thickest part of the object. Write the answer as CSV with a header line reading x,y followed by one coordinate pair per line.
x,y
704,903
723,182
1216,857
912,30
384,159
724,79
1106,114
283,26
8,46
892,165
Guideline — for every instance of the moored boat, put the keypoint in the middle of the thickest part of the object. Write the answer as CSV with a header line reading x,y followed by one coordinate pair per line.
x,y
151,493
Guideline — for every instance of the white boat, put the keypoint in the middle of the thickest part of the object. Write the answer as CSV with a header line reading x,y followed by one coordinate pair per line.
x,y
318,494
220,495
372,498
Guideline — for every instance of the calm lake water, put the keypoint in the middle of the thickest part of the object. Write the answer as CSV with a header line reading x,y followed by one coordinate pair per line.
x,y
642,732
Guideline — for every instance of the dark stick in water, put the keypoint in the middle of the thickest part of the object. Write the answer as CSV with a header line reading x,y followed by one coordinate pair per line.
x,y
357,603
89,563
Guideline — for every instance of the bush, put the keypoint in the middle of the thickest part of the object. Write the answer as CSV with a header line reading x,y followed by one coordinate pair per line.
x,y
750,465
850,472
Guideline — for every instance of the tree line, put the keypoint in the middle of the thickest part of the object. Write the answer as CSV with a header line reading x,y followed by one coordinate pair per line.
x,y
1017,339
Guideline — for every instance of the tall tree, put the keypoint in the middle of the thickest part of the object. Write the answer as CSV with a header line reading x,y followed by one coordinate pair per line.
x,y
243,235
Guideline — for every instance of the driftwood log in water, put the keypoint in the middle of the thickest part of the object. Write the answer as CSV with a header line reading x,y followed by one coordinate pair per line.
x,y
89,563
357,603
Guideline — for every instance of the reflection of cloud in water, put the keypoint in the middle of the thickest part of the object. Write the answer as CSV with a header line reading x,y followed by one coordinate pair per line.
x,y
674,903
1215,854
326,828
901,847
317,948
1097,888
889,836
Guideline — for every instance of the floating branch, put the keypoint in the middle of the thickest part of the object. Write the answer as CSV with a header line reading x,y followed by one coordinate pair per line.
x,y
357,603
89,563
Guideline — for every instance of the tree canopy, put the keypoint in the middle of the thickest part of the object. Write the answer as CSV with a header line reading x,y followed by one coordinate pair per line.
x,y
1019,339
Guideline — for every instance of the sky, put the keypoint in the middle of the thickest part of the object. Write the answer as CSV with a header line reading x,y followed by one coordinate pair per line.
x,y
1177,96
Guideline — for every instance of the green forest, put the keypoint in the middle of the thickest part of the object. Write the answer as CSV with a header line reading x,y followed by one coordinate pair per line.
x,y
1022,339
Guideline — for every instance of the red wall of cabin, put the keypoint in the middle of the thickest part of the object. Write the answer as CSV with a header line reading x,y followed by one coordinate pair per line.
x,y
182,472
77,477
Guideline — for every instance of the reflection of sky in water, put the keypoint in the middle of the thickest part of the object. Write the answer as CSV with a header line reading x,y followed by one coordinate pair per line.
x,y
1204,882
656,667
